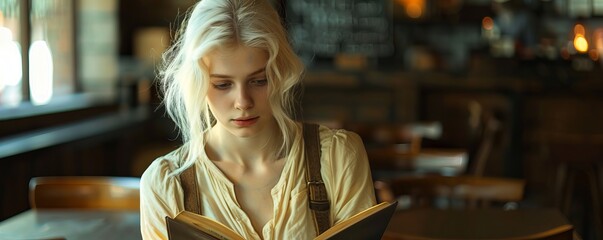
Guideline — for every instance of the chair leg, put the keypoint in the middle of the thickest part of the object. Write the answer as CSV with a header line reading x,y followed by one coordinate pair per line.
x,y
560,184
567,197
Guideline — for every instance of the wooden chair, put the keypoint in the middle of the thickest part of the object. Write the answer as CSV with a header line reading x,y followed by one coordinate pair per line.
x,y
451,191
490,131
94,192
579,171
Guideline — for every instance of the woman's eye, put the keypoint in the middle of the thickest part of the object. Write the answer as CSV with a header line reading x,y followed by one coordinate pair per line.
x,y
221,86
259,82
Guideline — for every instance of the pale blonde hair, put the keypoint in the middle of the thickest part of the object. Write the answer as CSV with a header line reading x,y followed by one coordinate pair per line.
x,y
221,23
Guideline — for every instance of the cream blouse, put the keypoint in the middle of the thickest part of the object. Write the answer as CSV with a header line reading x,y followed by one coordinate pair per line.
x,y
344,168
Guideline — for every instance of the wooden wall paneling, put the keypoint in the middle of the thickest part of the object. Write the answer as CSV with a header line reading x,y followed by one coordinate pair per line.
x,y
552,121
373,105
69,162
108,153
15,174
406,99
564,157
326,103
350,104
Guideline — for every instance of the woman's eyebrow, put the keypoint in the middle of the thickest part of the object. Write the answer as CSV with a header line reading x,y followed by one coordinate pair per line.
x,y
217,75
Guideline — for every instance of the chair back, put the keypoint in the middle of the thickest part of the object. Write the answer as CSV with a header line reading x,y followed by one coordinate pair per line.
x,y
93,192
491,129
450,191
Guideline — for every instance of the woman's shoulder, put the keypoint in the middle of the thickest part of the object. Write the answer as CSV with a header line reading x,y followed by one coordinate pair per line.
x,y
161,168
337,137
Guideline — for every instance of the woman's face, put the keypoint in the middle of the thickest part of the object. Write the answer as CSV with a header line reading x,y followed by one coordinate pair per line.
x,y
238,90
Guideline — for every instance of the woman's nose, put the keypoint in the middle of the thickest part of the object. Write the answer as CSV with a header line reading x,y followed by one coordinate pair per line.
x,y
243,100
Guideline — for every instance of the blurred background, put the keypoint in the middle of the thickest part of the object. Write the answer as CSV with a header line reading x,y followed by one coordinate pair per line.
x,y
78,93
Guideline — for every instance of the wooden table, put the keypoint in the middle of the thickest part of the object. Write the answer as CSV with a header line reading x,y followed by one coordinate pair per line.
x,y
72,225
472,224
388,161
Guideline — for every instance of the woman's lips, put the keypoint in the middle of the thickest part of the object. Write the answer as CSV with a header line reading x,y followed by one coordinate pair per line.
x,y
245,122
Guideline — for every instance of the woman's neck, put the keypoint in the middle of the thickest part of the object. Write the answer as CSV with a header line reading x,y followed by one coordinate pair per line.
x,y
224,146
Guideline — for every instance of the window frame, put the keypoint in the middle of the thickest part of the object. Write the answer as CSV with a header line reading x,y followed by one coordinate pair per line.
x,y
59,110
78,100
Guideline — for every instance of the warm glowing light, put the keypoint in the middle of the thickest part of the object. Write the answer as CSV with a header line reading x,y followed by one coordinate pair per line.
x,y
579,30
487,23
580,44
598,44
40,72
598,39
593,54
414,8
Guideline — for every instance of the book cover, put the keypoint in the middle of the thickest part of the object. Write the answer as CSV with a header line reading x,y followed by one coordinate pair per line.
x,y
368,224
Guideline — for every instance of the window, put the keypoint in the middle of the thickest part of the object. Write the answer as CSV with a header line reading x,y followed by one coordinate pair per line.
x,y
51,50
45,69
49,65
11,74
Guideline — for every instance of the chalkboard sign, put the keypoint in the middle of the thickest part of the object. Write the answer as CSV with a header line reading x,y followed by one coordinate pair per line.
x,y
325,28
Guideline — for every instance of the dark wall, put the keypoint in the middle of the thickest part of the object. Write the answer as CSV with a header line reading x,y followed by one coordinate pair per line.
x,y
136,14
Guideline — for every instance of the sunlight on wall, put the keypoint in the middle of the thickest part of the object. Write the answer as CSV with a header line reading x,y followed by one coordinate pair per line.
x,y
10,62
40,73
10,69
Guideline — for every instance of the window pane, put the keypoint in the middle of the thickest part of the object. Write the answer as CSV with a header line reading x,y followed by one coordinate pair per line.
x,y
51,63
579,8
10,52
598,7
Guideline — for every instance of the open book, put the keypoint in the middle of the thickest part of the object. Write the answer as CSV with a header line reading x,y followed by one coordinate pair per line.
x,y
368,224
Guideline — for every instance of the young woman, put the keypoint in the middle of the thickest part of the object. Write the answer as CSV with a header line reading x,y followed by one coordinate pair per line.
x,y
228,83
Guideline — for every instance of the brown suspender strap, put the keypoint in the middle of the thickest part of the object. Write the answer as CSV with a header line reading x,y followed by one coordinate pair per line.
x,y
317,192
319,202
188,180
